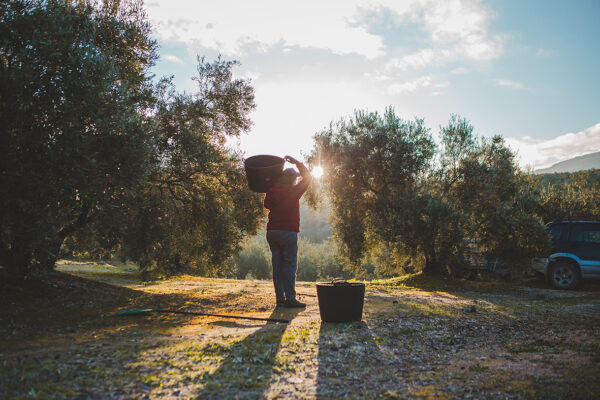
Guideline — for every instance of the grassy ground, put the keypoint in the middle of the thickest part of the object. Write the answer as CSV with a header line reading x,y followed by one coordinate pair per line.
x,y
419,338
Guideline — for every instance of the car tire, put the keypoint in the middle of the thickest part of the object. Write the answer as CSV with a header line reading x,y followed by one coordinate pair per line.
x,y
564,275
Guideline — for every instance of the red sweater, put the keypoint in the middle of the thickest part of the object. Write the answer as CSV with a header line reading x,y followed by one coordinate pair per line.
x,y
283,203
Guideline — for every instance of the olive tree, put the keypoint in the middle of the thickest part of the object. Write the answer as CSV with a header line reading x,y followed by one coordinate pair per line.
x,y
74,85
391,188
95,152
375,165
194,210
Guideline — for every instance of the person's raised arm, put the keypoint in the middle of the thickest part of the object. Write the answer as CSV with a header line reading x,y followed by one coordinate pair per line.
x,y
301,187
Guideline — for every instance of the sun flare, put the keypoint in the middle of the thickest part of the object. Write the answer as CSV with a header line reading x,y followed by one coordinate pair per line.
x,y
317,172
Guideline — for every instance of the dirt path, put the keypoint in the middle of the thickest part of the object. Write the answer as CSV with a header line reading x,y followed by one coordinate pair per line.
x,y
418,339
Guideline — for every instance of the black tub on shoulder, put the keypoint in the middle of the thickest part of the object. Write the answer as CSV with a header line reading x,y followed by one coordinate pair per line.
x,y
262,171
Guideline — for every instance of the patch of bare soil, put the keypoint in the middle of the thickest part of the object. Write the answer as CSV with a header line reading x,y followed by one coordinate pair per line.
x,y
420,339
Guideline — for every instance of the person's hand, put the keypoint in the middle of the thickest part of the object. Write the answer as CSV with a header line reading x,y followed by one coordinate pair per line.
x,y
291,159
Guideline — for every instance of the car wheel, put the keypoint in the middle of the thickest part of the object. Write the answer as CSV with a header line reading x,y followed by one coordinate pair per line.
x,y
564,275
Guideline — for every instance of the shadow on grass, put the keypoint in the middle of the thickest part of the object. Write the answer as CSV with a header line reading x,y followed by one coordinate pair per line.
x,y
420,281
247,369
350,362
61,305
60,339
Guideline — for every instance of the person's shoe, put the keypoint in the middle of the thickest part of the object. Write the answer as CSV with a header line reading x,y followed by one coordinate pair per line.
x,y
280,304
294,304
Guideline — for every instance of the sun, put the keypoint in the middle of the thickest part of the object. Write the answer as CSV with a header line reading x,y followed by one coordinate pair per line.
x,y
317,172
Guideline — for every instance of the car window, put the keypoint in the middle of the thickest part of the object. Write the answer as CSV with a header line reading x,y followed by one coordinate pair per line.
x,y
588,233
591,234
556,231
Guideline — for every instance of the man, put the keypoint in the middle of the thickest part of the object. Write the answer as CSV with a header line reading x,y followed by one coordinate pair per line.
x,y
283,203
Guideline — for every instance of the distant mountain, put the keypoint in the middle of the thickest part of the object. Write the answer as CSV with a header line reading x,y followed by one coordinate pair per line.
x,y
580,163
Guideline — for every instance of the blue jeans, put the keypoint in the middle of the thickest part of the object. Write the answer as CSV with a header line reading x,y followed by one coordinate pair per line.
x,y
284,251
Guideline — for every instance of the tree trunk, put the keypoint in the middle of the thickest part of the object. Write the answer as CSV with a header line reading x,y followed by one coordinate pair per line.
x,y
21,258
53,250
432,267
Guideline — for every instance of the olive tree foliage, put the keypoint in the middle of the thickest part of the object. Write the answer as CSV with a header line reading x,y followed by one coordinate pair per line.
x,y
196,207
393,192
74,83
579,198
499,205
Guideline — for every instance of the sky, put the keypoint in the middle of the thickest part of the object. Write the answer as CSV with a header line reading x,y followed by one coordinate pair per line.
x,y
527,70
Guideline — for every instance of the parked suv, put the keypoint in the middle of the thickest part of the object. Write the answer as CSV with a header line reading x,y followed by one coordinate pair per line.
x,y
575,253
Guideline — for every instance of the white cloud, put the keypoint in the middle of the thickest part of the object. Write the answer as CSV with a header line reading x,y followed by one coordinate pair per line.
x,y
172,58
459,71
457,30
421,58
510,84
455,19
453,29
377,77
419,83
225,26
539,153
411,86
